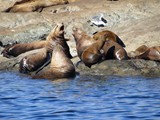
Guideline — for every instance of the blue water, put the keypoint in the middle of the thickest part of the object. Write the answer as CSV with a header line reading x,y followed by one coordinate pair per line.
x,y
82,98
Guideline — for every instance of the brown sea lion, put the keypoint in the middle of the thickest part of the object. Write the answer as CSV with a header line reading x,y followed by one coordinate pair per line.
x,y
17,49
93,54
147,53
108,35
39,60
140,50
34,5
82,40
60,67
34,61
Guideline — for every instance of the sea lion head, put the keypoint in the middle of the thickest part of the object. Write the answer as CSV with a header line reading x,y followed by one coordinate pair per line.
x,y
7,52
56,37
82,40
78,33
8,49
57,32
81,37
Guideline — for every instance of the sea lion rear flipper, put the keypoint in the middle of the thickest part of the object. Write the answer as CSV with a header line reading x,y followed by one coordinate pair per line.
x,y
143,55
110,53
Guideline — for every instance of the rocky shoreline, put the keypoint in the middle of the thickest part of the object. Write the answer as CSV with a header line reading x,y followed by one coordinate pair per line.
x,y
136,22
135,67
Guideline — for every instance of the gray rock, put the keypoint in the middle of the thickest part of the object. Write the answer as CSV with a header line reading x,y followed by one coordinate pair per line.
x,y
26,34
136,67
122,68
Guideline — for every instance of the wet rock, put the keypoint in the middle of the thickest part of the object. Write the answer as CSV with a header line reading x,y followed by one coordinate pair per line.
x,y
122,68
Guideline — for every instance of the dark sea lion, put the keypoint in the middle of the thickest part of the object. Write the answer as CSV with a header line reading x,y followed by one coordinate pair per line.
x,y
17,49
60,67
82,40
34,5
108,35
147,53
39,60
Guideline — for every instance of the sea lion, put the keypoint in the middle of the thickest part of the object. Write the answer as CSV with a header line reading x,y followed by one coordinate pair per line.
x,y
19,48
34,5
93,54
108,35
39,60
82,40
140,50
34,61
60,67
147,53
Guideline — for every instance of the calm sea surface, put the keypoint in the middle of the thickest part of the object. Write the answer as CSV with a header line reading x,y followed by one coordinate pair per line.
x,y
82,98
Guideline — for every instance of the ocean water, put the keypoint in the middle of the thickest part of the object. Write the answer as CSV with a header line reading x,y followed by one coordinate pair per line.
x,y
81,98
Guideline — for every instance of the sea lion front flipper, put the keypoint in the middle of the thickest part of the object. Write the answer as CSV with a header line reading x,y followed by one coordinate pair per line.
x,y
110,53
46,63
120,42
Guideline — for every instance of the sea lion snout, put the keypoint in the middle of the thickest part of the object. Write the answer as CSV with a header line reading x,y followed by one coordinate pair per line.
x,y
58,29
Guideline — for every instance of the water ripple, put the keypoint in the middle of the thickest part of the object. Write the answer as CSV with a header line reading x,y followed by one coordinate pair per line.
x,y
85,97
